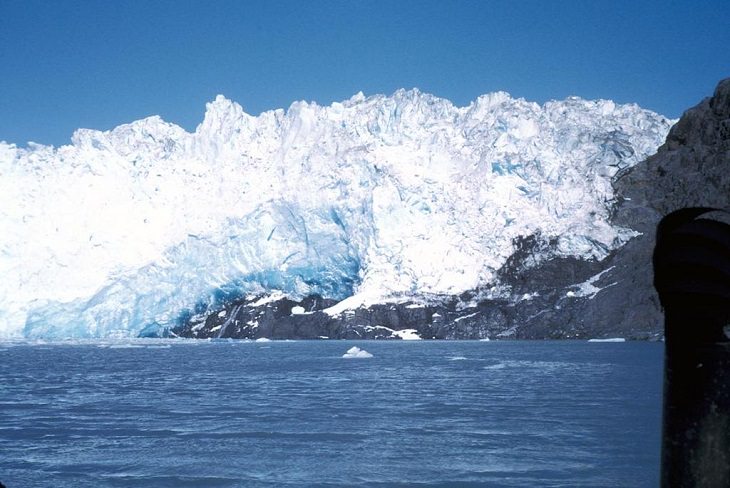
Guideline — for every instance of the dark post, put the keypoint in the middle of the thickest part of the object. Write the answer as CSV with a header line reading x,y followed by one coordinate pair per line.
x,y
692,277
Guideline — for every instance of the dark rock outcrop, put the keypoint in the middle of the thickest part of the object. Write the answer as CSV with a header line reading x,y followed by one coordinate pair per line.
x,y
691,169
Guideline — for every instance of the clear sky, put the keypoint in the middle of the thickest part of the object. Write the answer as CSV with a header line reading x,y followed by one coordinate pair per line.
x,y
97,64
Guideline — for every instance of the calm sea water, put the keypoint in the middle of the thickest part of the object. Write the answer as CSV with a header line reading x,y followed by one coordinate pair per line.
x,y
201,414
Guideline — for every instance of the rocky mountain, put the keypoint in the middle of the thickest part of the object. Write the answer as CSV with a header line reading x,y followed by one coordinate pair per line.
x,y
396,216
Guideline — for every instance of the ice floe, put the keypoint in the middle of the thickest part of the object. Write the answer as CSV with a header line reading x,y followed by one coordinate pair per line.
x,y
356,352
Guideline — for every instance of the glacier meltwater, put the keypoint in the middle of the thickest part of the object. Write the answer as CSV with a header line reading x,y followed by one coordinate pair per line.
x,y
123,231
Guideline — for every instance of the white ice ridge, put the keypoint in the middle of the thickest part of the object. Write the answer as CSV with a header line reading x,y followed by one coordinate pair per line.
x,y
376,196
356,353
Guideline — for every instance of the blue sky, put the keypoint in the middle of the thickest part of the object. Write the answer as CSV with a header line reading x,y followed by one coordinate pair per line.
x,y
97,64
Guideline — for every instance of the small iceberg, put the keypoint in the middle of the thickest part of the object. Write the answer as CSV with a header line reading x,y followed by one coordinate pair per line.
x,y
612,339
356,352
263,339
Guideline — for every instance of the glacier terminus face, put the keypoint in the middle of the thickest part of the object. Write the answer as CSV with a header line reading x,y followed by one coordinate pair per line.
x,y
370,199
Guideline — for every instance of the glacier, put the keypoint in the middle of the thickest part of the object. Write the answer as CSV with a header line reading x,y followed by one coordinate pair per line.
x,y
124,231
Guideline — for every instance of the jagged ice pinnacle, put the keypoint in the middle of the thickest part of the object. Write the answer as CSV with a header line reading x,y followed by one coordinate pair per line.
x,y
375,198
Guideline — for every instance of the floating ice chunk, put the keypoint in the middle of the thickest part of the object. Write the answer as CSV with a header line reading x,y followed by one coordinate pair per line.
x,y
407,334
611,339
263,339
457,358
298,311
486,339
356,352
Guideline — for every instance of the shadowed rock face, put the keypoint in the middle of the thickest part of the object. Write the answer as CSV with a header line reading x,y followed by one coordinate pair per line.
x,y
554,297
692,169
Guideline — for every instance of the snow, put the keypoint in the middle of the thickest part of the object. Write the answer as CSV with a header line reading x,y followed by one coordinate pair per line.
x,y
407,334
379,198
612,339
266,299
464,317
588,288
298,310
357,353
355,301
403,334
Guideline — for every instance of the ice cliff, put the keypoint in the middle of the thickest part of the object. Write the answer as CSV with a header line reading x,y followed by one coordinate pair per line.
x,y
374,198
